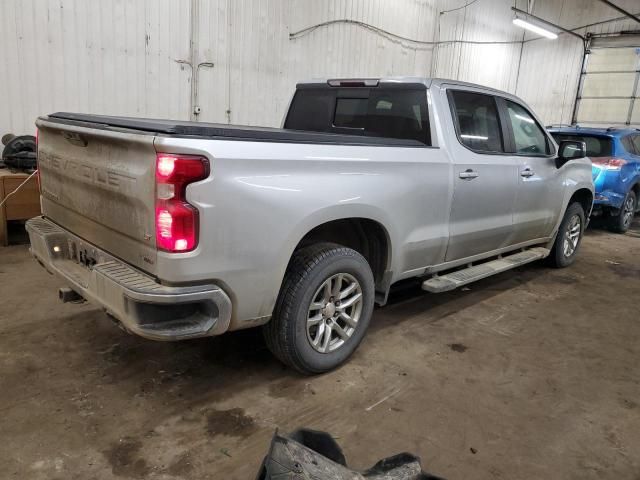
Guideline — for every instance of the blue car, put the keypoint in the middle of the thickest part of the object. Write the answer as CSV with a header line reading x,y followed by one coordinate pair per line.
x,y
615,154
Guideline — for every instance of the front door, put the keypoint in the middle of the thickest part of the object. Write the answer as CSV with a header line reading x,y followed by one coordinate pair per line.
x,y
485,178
539,194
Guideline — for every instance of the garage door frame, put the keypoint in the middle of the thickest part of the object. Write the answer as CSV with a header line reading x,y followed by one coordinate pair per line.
x,y
603,43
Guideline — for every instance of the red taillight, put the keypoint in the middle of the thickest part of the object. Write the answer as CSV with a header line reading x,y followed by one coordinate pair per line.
x,y
180,169
617,162
610,163
176,219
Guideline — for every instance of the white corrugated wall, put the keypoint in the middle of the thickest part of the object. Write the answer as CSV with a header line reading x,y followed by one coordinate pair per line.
x,y
115,57
123,57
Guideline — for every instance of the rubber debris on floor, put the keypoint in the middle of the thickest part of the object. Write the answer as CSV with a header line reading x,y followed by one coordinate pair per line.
x,y
306,454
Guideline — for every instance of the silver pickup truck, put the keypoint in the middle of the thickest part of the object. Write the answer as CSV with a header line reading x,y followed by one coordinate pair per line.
x,y
181,230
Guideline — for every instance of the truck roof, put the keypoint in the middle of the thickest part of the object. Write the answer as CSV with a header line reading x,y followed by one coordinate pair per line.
x,y
399,80
602,131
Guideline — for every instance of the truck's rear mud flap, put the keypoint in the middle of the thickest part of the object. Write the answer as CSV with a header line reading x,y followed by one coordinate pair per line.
x,y
313,454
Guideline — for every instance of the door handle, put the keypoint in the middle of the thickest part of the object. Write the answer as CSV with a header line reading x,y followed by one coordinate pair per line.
x,y
468,174
527,172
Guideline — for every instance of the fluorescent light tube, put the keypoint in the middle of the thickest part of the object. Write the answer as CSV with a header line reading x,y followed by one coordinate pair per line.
x,y
535,28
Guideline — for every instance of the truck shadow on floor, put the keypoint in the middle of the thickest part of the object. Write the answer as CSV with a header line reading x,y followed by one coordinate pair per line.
x,y
407,298
598,227
232,361
225,364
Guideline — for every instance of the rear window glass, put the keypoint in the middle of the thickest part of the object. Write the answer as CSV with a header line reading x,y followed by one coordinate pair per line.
x,y
379,112
351,112
631,144
311,109
596,146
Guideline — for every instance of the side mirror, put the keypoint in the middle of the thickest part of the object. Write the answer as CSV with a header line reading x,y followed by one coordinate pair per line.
x,y
570,150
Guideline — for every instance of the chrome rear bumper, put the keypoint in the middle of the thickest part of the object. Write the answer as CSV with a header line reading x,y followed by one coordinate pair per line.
x,y
143,306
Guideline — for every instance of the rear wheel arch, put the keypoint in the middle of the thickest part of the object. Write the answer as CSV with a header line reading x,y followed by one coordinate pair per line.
x,y
368,237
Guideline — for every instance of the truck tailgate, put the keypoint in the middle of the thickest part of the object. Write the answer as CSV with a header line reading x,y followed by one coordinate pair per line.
x,y
100,185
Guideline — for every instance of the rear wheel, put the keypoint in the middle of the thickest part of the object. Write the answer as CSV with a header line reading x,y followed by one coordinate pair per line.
x,y
569,237
621,222
323,309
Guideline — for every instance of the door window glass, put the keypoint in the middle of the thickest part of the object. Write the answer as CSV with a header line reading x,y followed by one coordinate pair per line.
x,y
477,121
529,136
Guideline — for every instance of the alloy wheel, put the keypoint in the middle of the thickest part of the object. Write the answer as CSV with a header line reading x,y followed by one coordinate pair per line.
x,y
334,312
572,236
628,211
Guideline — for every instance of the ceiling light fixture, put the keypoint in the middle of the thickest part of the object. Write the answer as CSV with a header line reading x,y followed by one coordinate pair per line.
x,y
535,28
541,26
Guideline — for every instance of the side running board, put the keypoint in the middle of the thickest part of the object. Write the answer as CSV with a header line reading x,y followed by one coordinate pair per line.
x,y
453,280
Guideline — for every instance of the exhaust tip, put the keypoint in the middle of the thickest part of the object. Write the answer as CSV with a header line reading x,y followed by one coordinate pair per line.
x,y
68,295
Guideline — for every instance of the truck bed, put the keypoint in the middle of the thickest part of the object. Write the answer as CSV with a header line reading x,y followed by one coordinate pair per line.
x,y
223,131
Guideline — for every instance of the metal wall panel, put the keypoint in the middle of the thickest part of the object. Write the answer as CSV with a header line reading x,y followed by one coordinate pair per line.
x,y
491,64
115,57
258,65
120,57
257,55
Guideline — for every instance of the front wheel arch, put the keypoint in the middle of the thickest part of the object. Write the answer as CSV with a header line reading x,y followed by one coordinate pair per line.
x,y
584,197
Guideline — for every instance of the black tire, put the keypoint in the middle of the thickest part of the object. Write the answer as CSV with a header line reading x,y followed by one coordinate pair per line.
x,y
558,257
287,334
621,222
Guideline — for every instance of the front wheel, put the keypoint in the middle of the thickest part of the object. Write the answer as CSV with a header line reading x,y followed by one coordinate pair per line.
x,y
323,309
569,237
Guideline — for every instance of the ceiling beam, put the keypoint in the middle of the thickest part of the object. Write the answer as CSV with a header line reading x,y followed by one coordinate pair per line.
x,y
621,10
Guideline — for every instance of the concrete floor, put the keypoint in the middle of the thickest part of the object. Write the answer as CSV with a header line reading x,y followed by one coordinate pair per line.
x,y
531,374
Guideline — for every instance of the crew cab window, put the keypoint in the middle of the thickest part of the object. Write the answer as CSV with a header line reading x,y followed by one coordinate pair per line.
x,y
528,135
399,113
477,122
596,146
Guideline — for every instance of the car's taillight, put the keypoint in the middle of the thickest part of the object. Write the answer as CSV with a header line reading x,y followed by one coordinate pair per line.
x,y
609,163
176,219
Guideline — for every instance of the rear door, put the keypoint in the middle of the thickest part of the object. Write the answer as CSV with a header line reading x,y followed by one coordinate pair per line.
x,y
540,193
100,185
484,177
